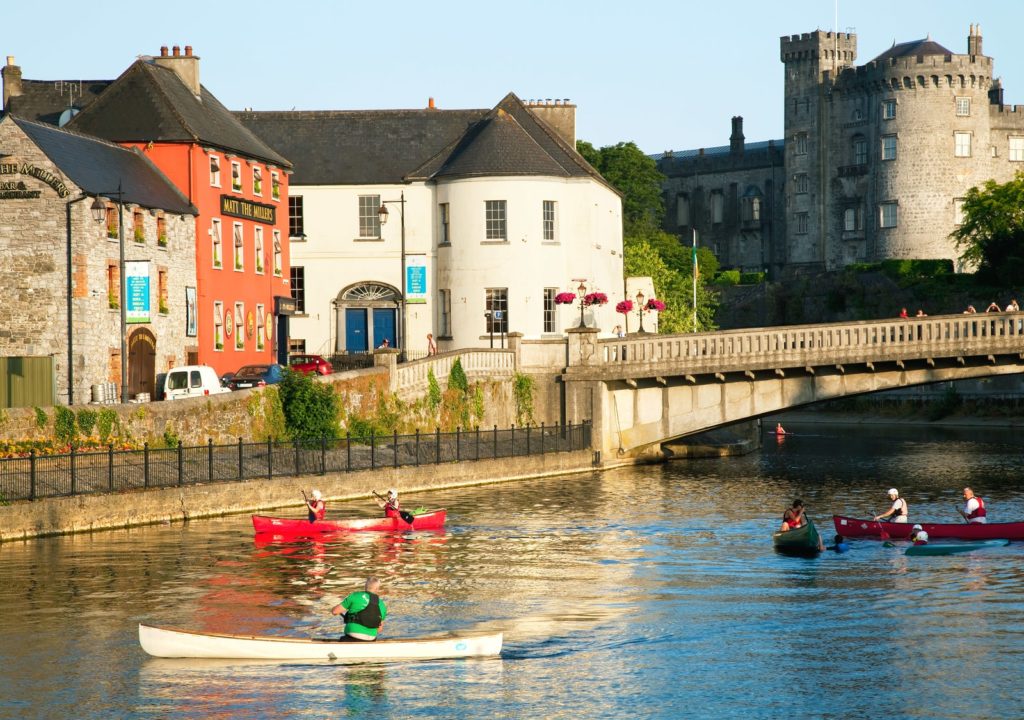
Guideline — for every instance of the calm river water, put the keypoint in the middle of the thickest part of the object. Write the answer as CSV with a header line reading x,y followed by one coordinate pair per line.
x,y
641,592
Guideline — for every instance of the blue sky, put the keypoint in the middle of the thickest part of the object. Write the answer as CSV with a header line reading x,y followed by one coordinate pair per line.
x,y
666,75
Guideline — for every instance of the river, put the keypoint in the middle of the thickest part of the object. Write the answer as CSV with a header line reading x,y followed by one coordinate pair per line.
x,y
646,592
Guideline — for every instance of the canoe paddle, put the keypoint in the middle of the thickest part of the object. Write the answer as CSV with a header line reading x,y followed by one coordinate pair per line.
x,y
312,515
406,516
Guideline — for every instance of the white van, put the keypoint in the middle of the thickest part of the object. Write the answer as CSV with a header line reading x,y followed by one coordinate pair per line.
x,y
192,381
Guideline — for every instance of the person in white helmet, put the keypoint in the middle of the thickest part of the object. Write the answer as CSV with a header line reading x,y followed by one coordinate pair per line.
x,y
899,510
316,505
390,503
918,536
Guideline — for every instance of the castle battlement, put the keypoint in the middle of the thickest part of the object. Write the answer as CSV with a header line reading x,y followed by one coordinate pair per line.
x,y
921,72
818,45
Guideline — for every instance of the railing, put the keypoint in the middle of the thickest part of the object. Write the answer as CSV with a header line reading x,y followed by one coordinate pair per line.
x,y
78,473
850,342
474,362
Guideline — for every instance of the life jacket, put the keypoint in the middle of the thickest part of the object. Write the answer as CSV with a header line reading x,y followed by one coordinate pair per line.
x,y
369,616
320,513
901,511
391,508
794,520
978,512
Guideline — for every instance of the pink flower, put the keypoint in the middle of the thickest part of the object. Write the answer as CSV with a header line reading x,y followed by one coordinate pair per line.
x,y
654,304
565,298
595,298
626,306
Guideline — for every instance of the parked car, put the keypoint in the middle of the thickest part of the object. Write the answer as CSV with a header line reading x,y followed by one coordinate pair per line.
x,y
190,381
310,364
251,376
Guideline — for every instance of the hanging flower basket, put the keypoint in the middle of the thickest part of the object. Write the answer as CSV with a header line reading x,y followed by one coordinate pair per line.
x,y
595,298
656,305
626,306
565,298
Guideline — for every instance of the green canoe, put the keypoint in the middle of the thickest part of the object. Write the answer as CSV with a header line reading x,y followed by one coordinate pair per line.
x,y
952,549
802,541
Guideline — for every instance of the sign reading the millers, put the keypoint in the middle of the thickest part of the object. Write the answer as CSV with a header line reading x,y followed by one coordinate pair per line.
x,y
136,280
415,279
247,209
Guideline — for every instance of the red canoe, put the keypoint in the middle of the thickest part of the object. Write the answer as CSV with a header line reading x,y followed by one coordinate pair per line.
x,y
432,520
854,528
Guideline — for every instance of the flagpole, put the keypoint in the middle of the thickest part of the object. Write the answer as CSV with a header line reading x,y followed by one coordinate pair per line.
x,y
694,279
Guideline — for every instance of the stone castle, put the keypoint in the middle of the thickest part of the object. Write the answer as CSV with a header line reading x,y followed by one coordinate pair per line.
x,y
874,164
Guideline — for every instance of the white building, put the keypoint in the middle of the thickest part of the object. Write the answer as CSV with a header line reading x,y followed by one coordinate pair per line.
x,y
490,213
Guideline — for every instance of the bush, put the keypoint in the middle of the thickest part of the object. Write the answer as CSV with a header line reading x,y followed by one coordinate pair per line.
x,y
64,425
908,270
727,277
105,423
86,421
457,379
752,278
522,389
433,390
311,408
41,417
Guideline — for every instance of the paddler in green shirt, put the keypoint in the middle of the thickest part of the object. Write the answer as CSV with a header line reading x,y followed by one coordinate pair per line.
x,y
364,612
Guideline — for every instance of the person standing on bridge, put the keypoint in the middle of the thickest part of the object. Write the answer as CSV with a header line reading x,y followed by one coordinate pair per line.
x,y
899,510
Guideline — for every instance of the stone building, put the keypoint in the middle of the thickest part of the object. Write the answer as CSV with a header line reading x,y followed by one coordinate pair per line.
x,y
875,162
60,269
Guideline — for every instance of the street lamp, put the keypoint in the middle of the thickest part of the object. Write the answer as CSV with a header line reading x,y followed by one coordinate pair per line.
x,y
99,213
640,310
382,213
581,292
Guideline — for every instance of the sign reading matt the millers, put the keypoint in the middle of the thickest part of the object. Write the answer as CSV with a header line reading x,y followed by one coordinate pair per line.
x,y
247,209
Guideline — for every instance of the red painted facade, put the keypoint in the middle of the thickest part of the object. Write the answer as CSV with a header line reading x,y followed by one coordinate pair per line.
x,y
242,260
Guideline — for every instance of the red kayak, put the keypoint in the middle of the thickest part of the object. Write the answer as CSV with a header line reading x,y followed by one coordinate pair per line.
x,y
872,529
432,520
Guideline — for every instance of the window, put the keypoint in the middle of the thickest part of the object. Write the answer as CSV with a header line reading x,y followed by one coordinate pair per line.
x,y
549,309
750,206
444,309
801,223
853,219
258,250
275,185
138,226
497,308
257,180
214,171
1016,149
113,226
299,288
218,325
962,144
887,214
239,244
717,206
113,286
958,211
888,147
295,221
683,210
963,106
296,346
369,220
161,231
549,220
495,220
860,150
801,182
218,247
161,292
444,236
888,109
260,323
239,326
800,145
236,177
277,253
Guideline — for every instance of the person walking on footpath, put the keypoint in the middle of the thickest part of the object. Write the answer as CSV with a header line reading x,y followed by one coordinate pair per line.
x,y
431,345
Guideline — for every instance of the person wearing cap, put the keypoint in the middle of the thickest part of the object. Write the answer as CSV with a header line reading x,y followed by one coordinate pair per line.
x,y
974,508
317,507
899,510
390,504
918,536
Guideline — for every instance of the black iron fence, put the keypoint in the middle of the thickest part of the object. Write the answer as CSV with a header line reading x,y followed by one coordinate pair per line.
x,y
80,472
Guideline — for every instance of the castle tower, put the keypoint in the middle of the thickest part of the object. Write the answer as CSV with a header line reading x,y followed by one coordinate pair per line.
x,y
812,62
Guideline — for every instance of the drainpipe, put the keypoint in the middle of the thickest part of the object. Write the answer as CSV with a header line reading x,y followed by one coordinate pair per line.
x,y
71,324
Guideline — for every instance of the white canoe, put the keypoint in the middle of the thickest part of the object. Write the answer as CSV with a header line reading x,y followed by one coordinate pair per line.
x,y
175,643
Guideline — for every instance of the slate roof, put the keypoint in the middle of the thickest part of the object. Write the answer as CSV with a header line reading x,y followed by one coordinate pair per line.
x,y
151,103
913,48
99,167
718,150
45,100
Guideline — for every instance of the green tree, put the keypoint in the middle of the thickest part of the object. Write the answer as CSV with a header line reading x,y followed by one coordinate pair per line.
x,y
311,408
991,236
672,286
633,174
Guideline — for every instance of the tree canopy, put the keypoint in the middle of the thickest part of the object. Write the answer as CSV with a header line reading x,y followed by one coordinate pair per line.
x,y
633,174
991,236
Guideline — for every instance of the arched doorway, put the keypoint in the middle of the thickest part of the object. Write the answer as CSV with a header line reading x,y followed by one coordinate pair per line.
x,y
141,362
367,315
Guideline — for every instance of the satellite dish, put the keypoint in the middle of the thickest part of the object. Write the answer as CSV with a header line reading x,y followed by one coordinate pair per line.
x,y
66,116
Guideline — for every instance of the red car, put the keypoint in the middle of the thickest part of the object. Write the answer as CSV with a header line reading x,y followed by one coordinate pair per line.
x,y
310,364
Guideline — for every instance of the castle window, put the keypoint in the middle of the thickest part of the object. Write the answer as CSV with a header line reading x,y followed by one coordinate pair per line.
x,y
887,214
750,206
801,223
860,150
445,220
888,109
962,144
1016,149
958,211
800,143
888,147
683,210
717,206
801,182
963,106
853,219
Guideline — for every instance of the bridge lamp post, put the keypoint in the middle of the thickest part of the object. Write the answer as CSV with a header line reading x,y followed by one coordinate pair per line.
x,y
99,213
640,311
581,292
382,214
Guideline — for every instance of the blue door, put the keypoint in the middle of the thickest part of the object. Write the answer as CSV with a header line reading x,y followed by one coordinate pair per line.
x,y
355,330
383,326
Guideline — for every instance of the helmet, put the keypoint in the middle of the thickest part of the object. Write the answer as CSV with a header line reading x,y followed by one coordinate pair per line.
x,y
917,527
893,492
922,536
317,495
392,492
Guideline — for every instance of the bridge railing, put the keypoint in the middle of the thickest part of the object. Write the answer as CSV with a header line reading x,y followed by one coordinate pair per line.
x,y
977,332
476,363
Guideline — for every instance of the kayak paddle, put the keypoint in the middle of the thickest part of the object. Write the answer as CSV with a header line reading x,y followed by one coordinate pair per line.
x,y
407,517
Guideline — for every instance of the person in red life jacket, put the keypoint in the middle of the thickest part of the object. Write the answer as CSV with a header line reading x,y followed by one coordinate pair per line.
x,y
918,536
364,613
390,504
779,430
317,507
898,512
794,516
974,507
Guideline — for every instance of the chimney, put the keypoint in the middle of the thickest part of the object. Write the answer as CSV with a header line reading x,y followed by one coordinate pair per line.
x,y
430,104
186,66
12,80
974,41
736,139
560,115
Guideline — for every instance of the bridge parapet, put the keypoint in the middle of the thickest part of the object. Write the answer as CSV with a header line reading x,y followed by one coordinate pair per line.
x,y
478,364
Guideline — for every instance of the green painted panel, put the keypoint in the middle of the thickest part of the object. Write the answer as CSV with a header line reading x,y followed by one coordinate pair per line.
x,y
26,382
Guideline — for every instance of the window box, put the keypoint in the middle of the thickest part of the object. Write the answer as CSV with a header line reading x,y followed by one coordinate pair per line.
x,y
140,235
162,241
112,301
